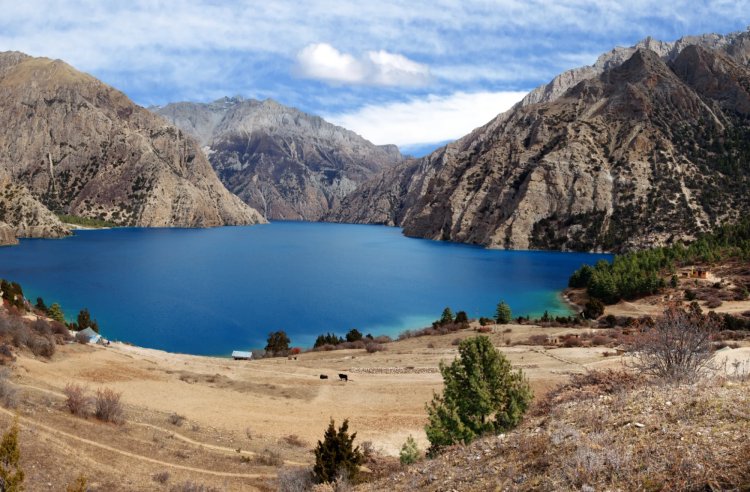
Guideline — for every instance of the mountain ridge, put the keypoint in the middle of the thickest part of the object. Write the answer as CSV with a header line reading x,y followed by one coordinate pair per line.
x,y
280,160
578,169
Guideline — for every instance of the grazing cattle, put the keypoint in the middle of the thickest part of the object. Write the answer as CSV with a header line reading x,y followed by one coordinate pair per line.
x,y
323,376
343,377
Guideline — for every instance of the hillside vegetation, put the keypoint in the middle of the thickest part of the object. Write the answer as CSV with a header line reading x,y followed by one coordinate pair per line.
x,y
642,273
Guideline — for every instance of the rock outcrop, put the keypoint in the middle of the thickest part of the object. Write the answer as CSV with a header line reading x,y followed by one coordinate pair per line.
x,y
22,215
81,147
7,235
649,146
281,161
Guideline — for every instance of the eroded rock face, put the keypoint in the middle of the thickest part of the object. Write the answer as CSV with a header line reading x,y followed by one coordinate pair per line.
x,y
653,147
281,161
83,148
22,215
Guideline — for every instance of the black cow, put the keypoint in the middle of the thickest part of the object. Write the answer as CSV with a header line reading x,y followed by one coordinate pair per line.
x,y
323,376
343,377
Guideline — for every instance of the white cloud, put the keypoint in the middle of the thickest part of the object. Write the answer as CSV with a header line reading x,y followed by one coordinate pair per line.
x,y
324,62
425,120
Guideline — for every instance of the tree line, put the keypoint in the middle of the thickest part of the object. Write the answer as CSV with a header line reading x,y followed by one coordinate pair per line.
x,y
642,273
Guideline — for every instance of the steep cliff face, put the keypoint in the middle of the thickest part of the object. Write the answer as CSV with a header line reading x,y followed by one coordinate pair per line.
x,y
83,148
283,162
647,151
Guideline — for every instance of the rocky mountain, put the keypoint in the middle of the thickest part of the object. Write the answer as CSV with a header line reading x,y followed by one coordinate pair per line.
x,y
81,147
281,161
649,145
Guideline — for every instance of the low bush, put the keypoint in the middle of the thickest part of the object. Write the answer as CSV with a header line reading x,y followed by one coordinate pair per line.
x,y
713,303
294,440
161,477
108,407
295,480
538,340
599,340
76,399
269,458
176,419
571,342
8,391
373,347
192,487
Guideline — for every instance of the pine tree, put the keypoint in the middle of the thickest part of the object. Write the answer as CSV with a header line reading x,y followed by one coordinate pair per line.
x,y
482,394
40,305
409,452
278,343
353,335
84,319
447,316
503,314
56,313
11,475
336,454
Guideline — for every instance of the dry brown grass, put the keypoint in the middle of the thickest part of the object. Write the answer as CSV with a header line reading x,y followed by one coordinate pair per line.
x,y
614,437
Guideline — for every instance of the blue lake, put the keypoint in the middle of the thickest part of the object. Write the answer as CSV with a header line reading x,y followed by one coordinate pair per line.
x,y
211,291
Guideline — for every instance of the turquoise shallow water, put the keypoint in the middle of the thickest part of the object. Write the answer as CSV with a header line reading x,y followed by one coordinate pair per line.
x,y
210,291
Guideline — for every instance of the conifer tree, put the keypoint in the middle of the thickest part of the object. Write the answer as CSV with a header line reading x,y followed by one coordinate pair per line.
x,y
447,316
336,454
56,313
11,475
503,314
482,394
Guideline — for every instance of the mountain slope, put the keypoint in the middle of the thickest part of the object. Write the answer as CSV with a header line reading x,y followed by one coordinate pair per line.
x,y
286,163
645,151
83,148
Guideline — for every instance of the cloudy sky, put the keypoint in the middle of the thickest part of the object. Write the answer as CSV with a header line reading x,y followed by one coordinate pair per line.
x,y
408,72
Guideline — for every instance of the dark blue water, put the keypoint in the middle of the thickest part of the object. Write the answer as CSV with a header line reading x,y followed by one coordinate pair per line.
x,y
209,291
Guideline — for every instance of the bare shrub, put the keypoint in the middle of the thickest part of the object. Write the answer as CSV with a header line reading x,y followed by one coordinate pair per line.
x,y
508,330
373,347
382,339
41,327
456,341
60,329
295,480
325,348
192,487
484,329
538,340
161,477
571,341
42,346
76,399
8,391
430,345
269,458
677,347
176,419
294,440
599,340
713,303
108,406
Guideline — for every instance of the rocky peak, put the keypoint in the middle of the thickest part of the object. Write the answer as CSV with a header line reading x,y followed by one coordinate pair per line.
x,y
287,163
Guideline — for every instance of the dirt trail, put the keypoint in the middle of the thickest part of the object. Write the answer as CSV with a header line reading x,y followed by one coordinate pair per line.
x,y
171,432
30,422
